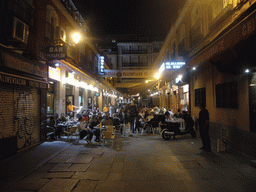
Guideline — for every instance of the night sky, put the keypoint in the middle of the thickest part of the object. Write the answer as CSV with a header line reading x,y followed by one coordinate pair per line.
x,y
118,17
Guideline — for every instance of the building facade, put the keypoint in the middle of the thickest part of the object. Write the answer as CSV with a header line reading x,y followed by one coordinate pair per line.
x,y
42,68
132,58
215,38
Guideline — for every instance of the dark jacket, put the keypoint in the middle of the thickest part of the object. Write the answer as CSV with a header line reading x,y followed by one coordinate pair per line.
x,y
94,123
127,117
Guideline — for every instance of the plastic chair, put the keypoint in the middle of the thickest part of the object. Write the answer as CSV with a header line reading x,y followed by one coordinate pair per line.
x,y
72,132
108,135
110,128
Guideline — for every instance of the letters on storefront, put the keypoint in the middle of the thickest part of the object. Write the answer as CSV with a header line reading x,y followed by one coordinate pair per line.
x,y
23,82
129,74
57,52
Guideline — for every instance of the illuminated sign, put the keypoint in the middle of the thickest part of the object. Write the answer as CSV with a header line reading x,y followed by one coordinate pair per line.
x,y
129,73
171,66
54,73
101,64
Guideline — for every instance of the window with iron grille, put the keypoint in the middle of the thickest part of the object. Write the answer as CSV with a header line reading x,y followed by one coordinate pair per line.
x,y
226,95
200,96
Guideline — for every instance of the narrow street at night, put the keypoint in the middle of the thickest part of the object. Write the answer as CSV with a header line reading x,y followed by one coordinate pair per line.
x,y
138,163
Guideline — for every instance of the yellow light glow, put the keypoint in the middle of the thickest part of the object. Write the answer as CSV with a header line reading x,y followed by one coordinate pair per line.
x,y
146,81
76,37
157,76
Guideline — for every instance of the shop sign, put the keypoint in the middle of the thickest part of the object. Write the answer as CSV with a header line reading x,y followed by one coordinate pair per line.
x,y
240,32
97,94
56,52
38,68
129,73
23,82
54,73
12,80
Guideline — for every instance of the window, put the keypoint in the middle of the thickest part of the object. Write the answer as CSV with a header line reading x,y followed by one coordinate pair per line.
x,y
226,95
200,96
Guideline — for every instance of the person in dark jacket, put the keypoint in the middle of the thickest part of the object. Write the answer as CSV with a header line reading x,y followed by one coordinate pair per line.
x,y
203,122
133,115
121,116
127,120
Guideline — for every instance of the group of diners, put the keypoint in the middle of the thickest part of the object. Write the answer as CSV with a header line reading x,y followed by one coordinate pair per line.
x,y
127,118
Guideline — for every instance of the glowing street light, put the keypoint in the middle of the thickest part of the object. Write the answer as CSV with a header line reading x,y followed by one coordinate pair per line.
x,y
157,76
76,37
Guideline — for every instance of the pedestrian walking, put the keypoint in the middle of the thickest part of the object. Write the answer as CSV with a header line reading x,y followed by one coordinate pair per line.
x,y
203,122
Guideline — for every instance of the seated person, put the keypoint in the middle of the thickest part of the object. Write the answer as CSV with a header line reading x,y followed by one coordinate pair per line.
x,y
95,131
150,117
107,120
85,118
178,114
83,130
116,121
63,118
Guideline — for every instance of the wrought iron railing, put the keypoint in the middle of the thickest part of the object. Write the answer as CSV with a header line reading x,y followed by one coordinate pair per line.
x,y
133,65
134,51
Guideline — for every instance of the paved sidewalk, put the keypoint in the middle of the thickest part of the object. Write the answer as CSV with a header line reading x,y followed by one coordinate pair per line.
x,y
23,163
140,163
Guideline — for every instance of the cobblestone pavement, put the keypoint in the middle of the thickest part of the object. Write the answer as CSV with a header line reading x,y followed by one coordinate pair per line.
x,y
139,163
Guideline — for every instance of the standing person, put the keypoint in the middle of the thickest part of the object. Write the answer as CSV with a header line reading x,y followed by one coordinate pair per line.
x,y
127,120
133,114
122,119
105,109
204,127
70,109
111,110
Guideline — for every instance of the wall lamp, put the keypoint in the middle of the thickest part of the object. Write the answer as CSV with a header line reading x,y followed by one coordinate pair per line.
x,y
247,70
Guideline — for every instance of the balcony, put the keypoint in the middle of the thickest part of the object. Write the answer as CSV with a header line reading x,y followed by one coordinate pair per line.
x,y
195,34
134,65
134,51
156,50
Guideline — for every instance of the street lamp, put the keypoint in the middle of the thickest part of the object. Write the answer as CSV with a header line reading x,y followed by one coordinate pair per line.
x,y
76,37
157,76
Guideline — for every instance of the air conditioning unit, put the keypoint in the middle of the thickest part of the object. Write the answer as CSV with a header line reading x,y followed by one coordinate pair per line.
x,y
20,30
60,34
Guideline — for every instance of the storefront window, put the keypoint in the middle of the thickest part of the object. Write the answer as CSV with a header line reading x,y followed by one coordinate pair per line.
x,y
89,99
50,103
50,100
81,97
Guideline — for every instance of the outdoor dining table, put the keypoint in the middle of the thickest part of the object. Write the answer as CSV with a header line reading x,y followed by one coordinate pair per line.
x,y
103,128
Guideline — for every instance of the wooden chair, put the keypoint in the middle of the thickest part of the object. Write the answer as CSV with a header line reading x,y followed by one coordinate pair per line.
x,y
72,132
